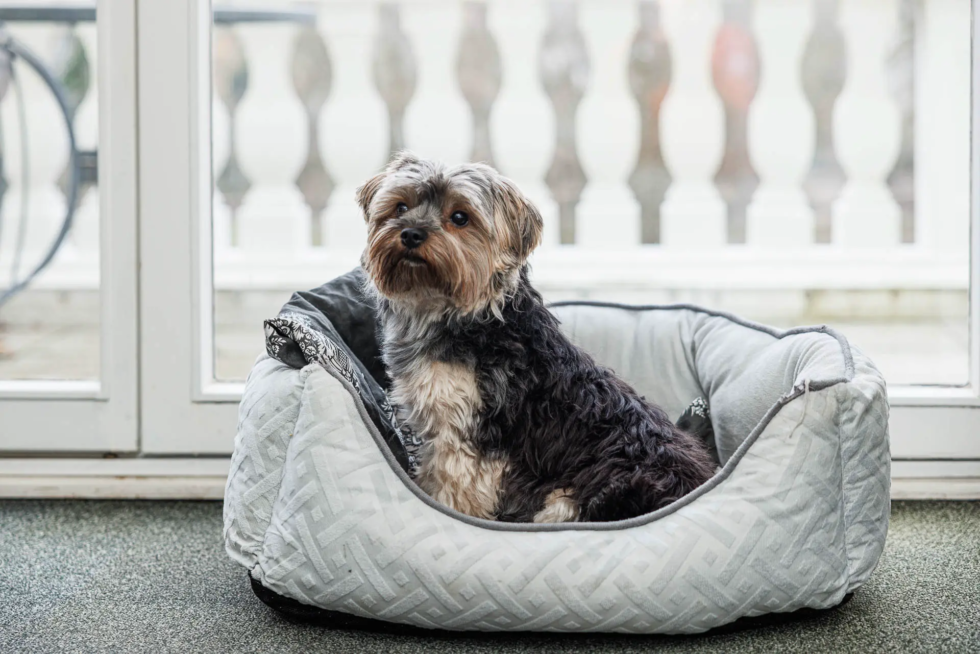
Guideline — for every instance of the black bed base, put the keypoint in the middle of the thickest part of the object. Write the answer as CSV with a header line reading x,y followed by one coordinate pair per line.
x,y
296,611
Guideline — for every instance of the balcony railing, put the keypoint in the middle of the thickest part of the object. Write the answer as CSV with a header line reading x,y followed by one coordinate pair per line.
x,y
695,144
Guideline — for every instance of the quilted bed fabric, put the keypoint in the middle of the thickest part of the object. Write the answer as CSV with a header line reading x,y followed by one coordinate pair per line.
x,y
319,510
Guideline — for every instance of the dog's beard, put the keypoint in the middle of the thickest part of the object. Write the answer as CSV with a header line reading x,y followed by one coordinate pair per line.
x,y
440,269
401,273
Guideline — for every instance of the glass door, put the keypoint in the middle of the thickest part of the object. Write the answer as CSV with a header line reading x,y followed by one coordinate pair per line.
x,y
68,291
793,162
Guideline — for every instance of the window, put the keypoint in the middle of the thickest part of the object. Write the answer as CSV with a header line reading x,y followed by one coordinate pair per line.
x,y
68,375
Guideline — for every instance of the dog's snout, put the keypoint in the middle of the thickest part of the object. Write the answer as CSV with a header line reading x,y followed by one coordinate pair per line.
x,y
412,237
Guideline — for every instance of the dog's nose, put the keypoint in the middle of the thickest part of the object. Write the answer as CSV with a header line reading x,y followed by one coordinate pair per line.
x,y
413,237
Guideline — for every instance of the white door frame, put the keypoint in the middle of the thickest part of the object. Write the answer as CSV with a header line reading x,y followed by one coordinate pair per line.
x,y
101,415
943,423
183,411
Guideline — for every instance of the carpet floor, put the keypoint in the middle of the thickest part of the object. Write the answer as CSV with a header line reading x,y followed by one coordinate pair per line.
x,y
87,576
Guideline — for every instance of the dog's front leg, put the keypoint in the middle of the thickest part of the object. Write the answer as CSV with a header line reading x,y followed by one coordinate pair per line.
x,y
443,401
558,507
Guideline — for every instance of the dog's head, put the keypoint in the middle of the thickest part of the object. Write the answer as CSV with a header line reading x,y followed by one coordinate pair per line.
x,y
456,236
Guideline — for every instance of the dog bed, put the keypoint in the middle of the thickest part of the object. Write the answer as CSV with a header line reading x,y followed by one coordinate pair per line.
x,y
321,510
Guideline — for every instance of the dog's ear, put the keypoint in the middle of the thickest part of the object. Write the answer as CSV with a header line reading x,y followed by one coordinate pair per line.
x,y
365,193
523,218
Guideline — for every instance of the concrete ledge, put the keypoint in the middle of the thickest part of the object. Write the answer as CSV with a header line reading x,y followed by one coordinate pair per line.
x,y
96,487
936,489
936,480
148,478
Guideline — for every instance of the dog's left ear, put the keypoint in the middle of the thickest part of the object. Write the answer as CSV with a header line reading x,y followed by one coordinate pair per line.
x,y
524,219
365,193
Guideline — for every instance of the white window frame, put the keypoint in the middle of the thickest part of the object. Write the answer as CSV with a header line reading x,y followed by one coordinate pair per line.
x,y
100,415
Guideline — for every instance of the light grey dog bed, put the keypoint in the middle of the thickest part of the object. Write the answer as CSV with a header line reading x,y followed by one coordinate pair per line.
x,y
320,510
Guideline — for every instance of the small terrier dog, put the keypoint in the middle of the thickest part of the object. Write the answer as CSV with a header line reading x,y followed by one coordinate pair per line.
x,y
516,423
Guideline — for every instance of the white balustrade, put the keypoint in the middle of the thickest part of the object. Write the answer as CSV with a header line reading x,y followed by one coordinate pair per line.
x,y
781,128
867,129
522,124
608,130
692,129
274,236
272,146
353,122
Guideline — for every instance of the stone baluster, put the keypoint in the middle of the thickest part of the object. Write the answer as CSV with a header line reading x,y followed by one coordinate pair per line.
x,y
649,75
272,141
437,122
781,126
230,81
692,130
608,214
355,120
564,68
523,122
394,72
735,71
868,130
479,75
823,71
312,77
901,75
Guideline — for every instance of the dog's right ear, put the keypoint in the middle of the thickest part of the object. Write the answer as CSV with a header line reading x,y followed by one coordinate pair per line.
x,y
365,193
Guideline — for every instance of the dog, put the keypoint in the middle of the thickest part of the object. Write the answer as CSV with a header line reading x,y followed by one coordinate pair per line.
x,y
517,424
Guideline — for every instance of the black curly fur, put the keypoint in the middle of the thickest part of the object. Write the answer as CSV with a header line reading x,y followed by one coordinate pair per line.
x,y
562,420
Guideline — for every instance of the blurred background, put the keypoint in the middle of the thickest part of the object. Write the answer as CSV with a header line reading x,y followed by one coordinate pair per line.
x,y
793,161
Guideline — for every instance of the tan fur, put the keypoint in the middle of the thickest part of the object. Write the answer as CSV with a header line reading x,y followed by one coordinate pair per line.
x,y
441,401
558,507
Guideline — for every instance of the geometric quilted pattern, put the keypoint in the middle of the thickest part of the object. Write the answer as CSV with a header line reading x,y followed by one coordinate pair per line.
x,y
317,513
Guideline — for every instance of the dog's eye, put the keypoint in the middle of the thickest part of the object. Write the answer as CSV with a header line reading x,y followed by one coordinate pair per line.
x,y
401,208
459,218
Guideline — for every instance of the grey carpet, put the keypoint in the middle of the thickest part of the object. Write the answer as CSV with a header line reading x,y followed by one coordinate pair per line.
x,y
152,577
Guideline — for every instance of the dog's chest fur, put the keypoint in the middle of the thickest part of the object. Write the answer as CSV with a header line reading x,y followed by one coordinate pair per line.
x,y
440,400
